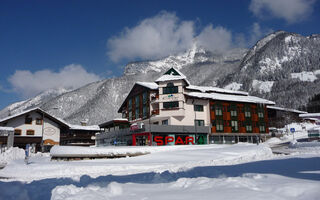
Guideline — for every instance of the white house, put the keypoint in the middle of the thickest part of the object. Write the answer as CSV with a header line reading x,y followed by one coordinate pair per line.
x,y
35,126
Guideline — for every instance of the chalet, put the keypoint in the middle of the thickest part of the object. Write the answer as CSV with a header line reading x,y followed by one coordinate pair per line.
x,y
40,129
171,107
279,117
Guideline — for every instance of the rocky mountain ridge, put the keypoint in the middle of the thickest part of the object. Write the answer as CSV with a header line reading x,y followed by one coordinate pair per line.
x,y
283,67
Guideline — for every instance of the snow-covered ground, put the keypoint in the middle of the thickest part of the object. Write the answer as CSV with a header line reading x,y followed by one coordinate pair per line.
x,y
301,132
240,171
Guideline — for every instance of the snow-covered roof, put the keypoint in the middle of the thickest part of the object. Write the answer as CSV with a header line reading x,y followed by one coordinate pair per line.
x,y
215,89
286,109
21,113
150,85
174,75
3,128
120,119
309,115
87,128
31,110
229,97
71,126
103,125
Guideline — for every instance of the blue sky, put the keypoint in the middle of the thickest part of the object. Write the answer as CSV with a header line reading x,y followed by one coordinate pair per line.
x,y
51,44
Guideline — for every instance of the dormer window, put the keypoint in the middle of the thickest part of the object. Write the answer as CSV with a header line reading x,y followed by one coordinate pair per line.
x,y
170,89
28,120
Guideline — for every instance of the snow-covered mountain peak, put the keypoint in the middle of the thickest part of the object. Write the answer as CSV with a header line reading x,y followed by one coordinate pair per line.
x,y
195,55
32,102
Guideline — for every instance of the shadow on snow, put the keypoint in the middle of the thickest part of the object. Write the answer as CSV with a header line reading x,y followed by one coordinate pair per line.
x,y
41,189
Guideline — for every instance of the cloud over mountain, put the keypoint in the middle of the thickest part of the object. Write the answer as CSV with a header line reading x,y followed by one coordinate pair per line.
x,y
29,83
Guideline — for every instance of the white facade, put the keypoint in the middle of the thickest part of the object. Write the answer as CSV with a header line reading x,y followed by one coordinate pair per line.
x,y
184,115
50,129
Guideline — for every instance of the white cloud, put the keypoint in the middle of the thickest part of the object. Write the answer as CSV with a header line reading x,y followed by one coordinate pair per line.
x,y
154,37
165,34
216,39
71,76
290,10
257,33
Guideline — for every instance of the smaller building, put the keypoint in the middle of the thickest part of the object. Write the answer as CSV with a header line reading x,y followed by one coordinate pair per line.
x,y
279,117
40,129
6,136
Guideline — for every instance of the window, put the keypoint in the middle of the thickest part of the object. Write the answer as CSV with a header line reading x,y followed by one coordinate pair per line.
x,y
218,110
17,131
124,115
144,111
249,128
170,89
219,125
247,111
137,101
130,104
30,132
170,105
262,129
137,113
145,98
165,122
260,114
38,121
233,110
130,109
199,122
234,126
130,115
198,108
28,120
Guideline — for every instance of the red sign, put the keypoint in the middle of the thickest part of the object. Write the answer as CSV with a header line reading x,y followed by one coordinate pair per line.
x,y
134,127
168,139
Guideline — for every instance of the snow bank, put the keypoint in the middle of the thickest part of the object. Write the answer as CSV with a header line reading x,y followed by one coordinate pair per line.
x,y
161,159
11,154
248,186
77,151
273,141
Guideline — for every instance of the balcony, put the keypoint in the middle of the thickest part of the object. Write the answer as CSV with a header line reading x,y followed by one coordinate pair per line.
x,y
155,112
154,99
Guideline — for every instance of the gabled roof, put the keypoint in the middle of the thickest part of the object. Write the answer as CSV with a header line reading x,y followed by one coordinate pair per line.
x,y
229,97
37,109
208,89
148,85
171,75
55,119
112,122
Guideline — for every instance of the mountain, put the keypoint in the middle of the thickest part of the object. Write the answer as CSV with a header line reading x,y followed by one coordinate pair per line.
x,y
283,67
32,102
